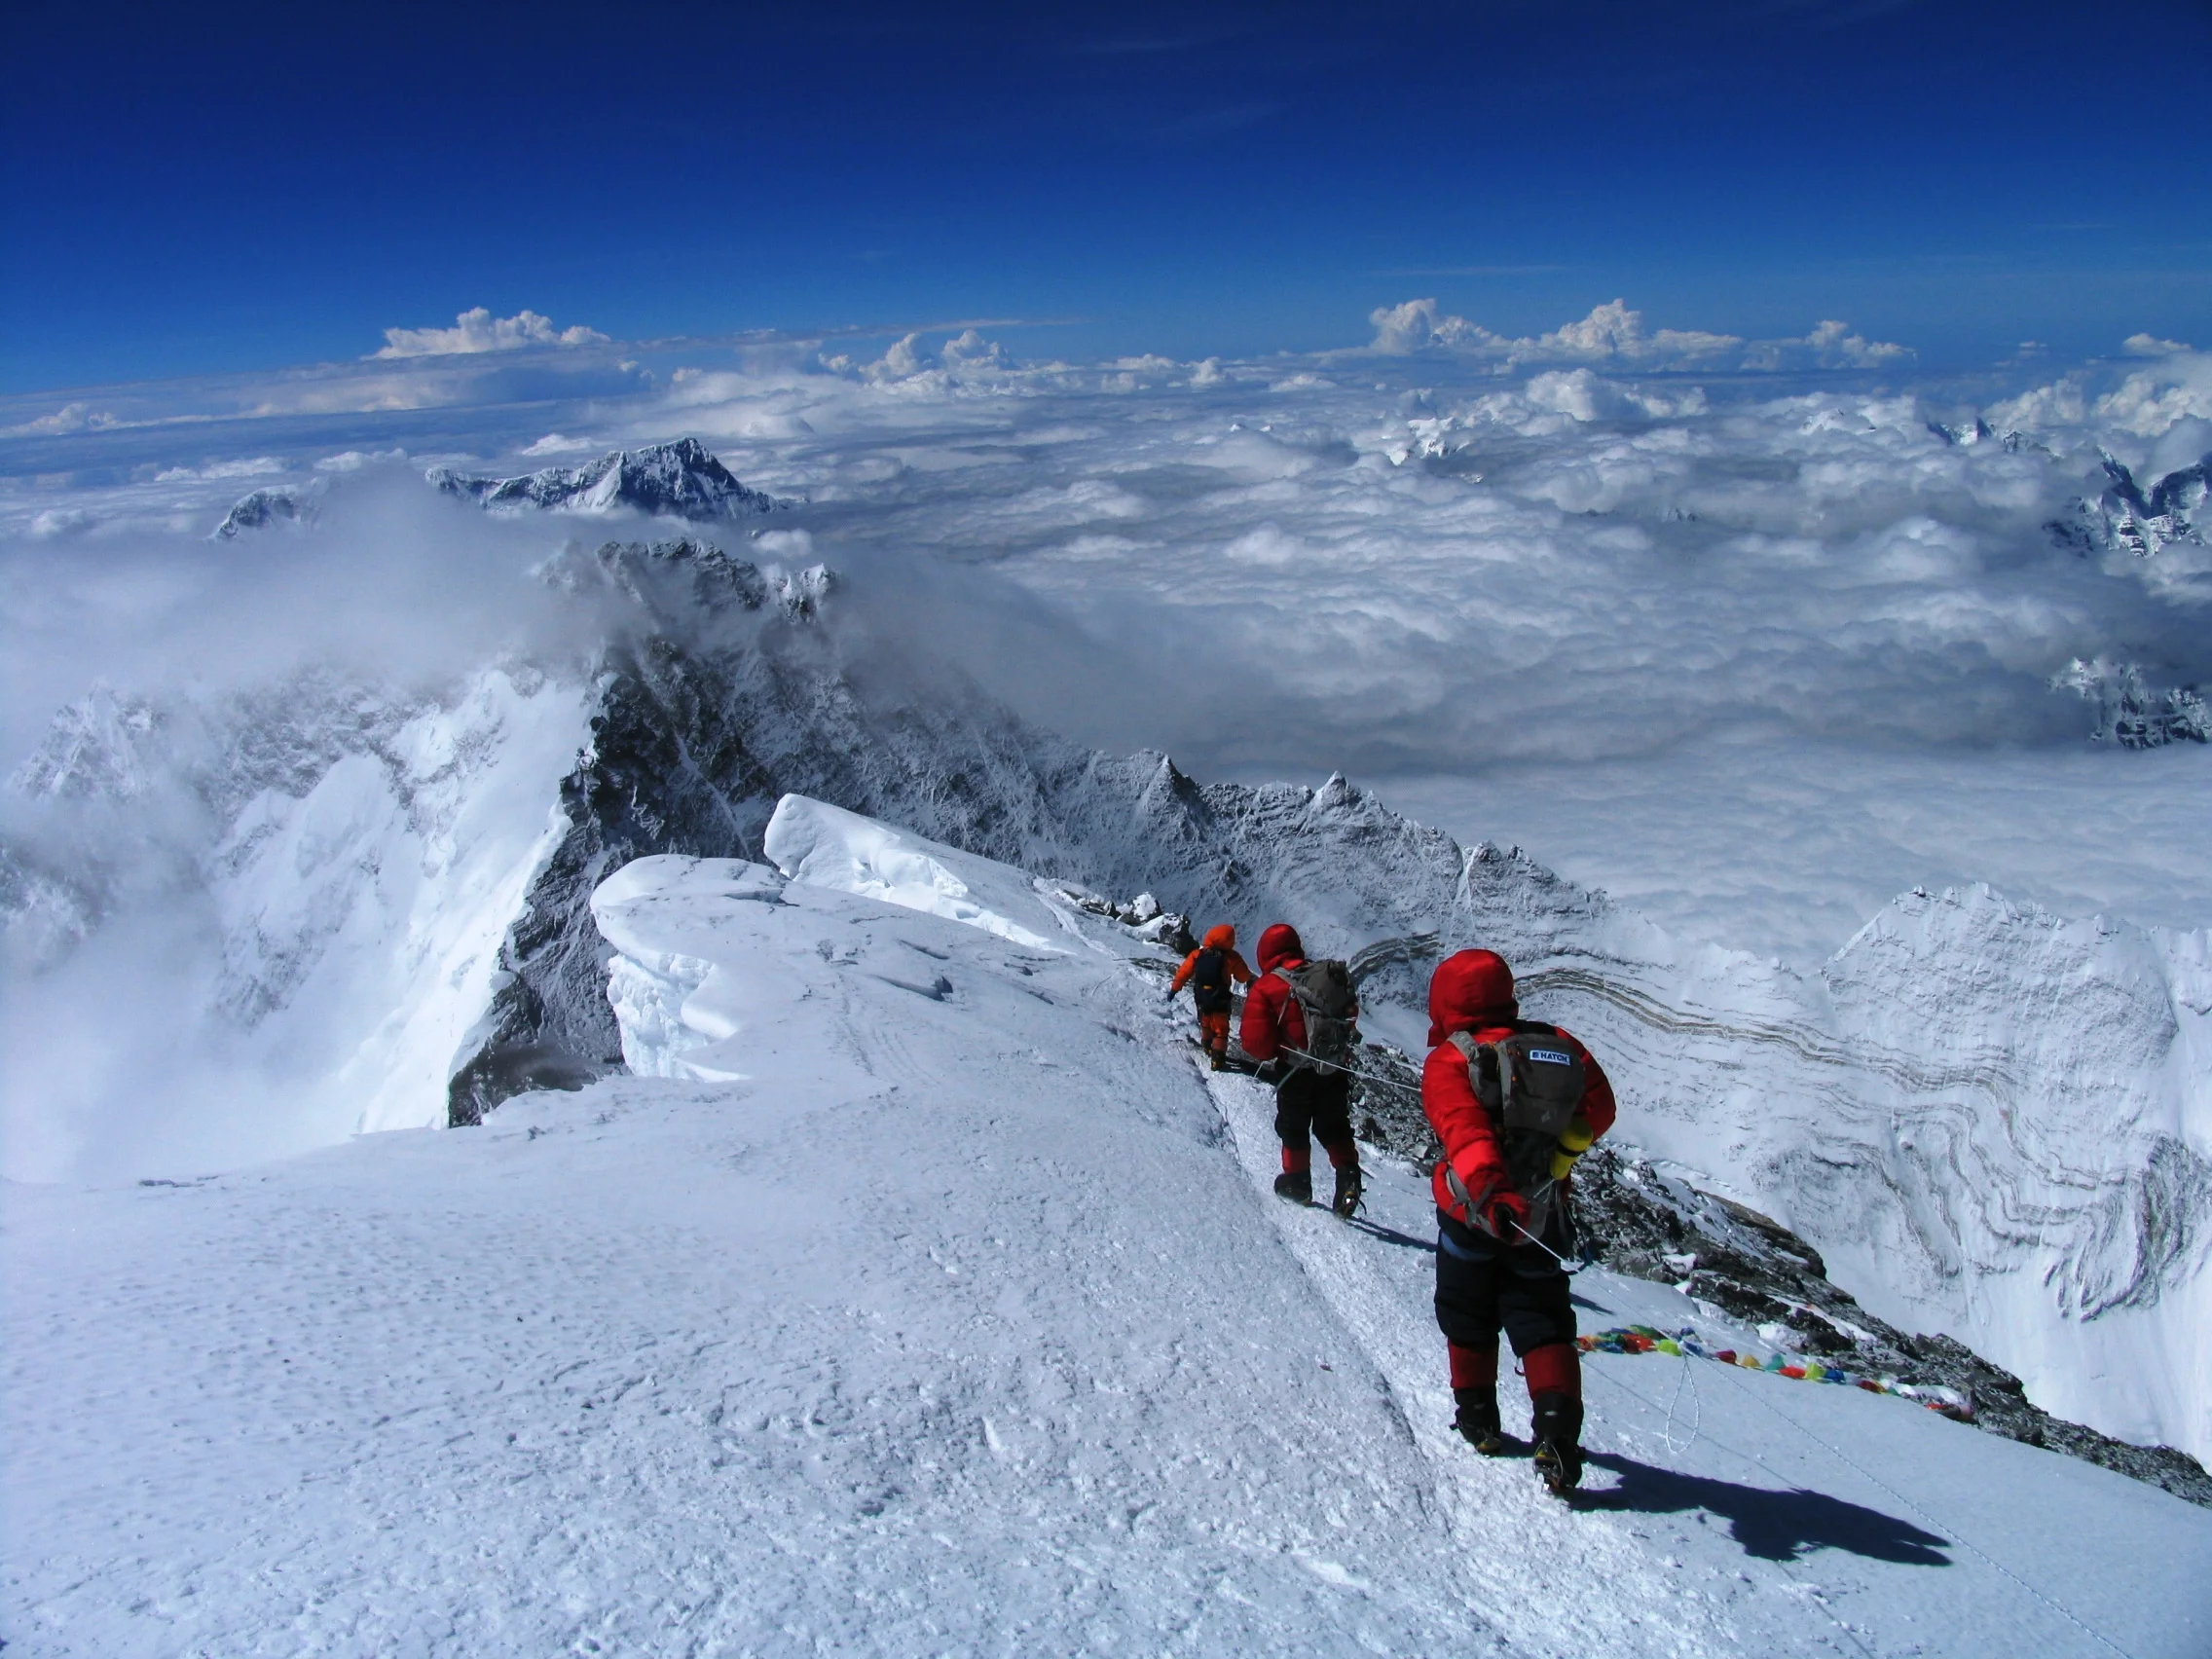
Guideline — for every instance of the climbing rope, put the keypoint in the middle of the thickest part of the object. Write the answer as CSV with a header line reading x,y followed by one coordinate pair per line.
x,y
1683,1374
1407,1089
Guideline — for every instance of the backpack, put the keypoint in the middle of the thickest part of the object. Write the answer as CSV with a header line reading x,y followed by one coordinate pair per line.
x,y
1329,1003
1531,1084
1209,981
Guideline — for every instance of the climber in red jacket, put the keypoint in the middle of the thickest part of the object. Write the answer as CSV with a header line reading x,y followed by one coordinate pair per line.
x,y
1312,1096
1211,971
1514,1102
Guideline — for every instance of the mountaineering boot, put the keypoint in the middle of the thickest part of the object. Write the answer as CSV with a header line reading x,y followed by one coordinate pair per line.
x,y
1347,1200
1476,1422
1556,1428
1220,1060
1296,1185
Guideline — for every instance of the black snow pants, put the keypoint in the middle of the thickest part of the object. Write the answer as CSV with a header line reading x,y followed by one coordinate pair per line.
x,y
1484,1287
1308,1102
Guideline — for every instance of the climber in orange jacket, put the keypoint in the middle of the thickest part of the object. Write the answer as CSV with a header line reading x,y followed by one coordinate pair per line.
x,y
1210,971
1514,1102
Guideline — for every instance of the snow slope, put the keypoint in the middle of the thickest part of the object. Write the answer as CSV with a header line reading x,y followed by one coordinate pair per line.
x,y
932,1301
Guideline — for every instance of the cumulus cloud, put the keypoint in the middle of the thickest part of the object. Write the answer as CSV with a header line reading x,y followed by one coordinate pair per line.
x,y
251,466
1582,395
2146,404
559,443
478,330
357,460
1614,334
69,417
56,521
1611,332
1414,325
1493,577
1834,347
913,364
2150,346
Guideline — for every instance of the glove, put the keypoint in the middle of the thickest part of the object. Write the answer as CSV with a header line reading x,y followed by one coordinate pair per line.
x,y
1504,1216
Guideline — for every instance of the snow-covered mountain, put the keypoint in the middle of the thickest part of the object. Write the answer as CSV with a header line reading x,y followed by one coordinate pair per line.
x,y
2131,712
260,508
920,1293
2123,517
682,479
1991,1120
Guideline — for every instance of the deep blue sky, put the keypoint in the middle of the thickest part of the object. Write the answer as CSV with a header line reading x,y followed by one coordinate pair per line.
x,y
207,188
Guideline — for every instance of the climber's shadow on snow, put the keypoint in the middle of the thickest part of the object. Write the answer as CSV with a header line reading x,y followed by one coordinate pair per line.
x,y
1772,1526
1390,1234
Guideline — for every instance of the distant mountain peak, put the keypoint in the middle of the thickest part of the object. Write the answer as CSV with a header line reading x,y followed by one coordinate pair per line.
x,y
2125,518
263,509
682,479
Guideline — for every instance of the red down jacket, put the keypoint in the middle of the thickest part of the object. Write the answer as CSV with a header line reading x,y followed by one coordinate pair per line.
x,y
1472,991
1273,1018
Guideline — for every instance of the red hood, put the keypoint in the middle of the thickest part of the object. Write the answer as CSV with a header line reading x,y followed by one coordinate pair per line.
x,y
1280,944
1470,990
1221,937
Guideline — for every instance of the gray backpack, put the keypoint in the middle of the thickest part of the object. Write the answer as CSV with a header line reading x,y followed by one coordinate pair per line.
x,y
1531,1084
1326,998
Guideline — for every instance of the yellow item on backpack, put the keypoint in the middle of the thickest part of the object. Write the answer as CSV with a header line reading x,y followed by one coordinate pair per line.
x,y
1574,1141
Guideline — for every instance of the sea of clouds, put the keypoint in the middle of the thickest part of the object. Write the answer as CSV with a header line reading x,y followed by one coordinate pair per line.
x,y
1754,632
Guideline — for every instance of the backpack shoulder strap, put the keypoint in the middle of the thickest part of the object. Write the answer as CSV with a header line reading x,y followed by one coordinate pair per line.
x,y
1484,1073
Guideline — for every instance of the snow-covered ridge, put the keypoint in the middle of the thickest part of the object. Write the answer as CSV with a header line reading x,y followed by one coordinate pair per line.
x,y
679,480
1990,1120
922,1295
826,846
